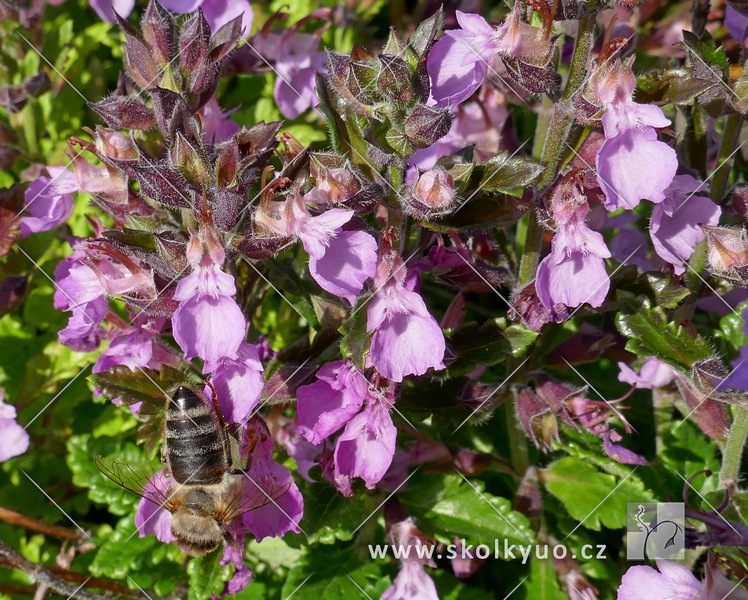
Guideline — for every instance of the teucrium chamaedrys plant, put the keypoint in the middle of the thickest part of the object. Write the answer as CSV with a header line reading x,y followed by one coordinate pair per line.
x,y
520,220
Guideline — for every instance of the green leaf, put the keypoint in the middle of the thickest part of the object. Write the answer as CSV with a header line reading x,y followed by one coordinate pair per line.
x,y
143,385
491,342
503,173
207,575
124,552
543,582
337,574
732,325
592,497
448,506
652,334
355,340
482,210
329,516
81,451
670,86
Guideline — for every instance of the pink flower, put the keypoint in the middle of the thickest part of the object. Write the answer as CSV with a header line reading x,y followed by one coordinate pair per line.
x,y
208,322
14,440
151,518
676,582
216,12
574,272
340,261
238,382
106,8
367,444
631,163
48,201
411,583
326,405
406,339
285,512
653,374
675,224
459,61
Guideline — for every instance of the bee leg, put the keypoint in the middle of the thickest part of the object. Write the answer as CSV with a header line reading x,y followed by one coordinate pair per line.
x,y
165,460
231,541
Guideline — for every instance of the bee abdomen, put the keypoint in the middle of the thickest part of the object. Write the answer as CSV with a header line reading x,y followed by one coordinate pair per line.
x,y
194,440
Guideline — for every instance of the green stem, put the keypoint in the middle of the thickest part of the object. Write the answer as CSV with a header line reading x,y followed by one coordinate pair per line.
x,y
29,129
519,451
733,451
697,263
556,134
726,157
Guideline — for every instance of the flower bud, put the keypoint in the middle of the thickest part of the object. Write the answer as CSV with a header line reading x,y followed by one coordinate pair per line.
x,y
115,145
394,78
710,414
37,84
123,112
433,194
727,249
185,157
139,63
12,98
194,43
427,124
536,417
708,375
159,32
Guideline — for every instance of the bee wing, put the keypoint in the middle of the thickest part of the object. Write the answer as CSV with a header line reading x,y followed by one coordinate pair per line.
x,y
133,477
250,495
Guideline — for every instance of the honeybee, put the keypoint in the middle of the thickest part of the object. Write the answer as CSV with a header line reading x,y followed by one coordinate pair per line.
x,y
207,493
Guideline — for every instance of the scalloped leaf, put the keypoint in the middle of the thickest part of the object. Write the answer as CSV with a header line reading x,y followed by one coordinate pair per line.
x,y
651,333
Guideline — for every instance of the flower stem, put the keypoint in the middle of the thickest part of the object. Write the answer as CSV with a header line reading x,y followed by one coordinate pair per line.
x,y
556,134
726,157
733,451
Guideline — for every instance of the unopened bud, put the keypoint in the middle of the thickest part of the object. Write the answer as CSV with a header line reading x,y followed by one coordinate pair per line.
x,y
126,113
337,185
185,157
427,124
159,32
727,248
394,78
37,84
708,375
433,194
536,417
194,43
115,145
12,97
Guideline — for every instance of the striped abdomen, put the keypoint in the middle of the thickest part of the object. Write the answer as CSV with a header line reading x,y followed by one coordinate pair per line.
x,y
195,442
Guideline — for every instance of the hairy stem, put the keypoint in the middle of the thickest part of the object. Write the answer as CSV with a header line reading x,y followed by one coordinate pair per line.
x,y
16,518
733,451
556,134
726,157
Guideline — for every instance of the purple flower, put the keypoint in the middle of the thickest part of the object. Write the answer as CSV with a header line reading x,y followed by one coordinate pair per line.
x,y
411,583
738,379
675,224
326,405
631,163
106,8
208,322
133,349
285,511
216,126
13,438
216,12
367,444
574,271
675,582
79,290
303,452
296,61
238,382
242,573
459,61
653,374
407,340
736,23
48,201
339,261
151,518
